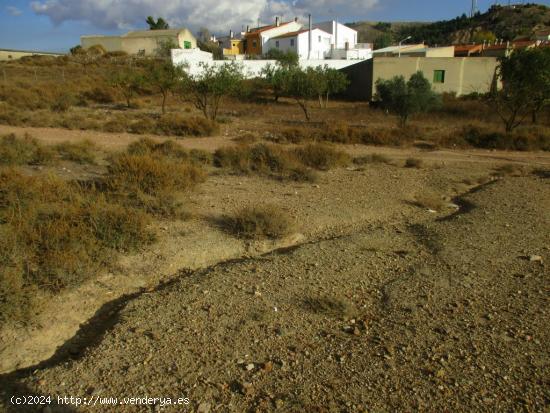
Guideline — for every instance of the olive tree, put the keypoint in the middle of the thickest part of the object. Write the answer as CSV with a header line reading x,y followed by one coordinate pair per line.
x,y
129,81
208,88
405,98
525,76
164,77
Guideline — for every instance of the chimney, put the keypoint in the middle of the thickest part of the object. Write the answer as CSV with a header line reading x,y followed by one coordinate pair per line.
x,y
336,33
230,34
296,19
277,21
309,45
247,28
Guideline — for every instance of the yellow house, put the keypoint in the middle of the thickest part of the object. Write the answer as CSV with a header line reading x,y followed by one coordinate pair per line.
x,y
234,47
143,42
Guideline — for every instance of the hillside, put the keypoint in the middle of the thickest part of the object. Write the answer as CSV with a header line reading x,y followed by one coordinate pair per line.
x,y
499,22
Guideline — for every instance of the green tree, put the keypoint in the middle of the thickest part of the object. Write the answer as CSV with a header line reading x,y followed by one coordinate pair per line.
x,y
406,98
483,36
336,82
384,40
285,59
207,89
164,77
129,82
301,86
276,77
159,24
525,76
164,48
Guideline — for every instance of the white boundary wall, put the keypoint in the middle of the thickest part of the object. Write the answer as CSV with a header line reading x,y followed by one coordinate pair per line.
x,y
251,68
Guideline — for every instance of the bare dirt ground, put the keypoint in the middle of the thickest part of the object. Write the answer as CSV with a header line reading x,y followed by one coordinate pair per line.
x,y
376,304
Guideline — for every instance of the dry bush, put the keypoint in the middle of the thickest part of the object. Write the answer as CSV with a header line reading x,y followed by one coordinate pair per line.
x,y
430,201
58,234
99,94
143,126
62,102
264,221
262,159
178,125
510,169
522,139
297,135
117,125
246,138
321,156
340,132
413,163
80,152
21,151
151,175
372,158
169,149
389,136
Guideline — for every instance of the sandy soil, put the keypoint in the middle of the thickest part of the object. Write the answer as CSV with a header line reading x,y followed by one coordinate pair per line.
x,y
375,304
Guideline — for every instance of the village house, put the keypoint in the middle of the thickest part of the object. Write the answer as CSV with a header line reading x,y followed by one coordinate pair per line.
x,y
299,42
143,42
254,40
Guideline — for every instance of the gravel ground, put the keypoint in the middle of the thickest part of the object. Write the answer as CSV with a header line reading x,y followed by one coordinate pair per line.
x,y
444,313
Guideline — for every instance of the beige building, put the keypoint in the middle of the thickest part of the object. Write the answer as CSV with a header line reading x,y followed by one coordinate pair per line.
x,y
145,42
9,54
460,75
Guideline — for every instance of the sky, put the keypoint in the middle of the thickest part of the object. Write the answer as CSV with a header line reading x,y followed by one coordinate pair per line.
x,y
56,25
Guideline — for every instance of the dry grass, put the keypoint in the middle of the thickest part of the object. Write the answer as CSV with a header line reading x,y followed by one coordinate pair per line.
x,y
321,156
261,159
80,152
23,151
373,158
430,201
57,234
414,163
264,221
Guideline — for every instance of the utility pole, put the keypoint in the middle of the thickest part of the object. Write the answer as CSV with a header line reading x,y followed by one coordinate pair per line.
x,y
473,10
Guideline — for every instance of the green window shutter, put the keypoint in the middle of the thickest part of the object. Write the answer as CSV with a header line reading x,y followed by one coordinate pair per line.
x,y
439,76
186,44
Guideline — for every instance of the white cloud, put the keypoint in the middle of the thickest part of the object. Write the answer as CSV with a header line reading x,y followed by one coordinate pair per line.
x,y
14,11
217,15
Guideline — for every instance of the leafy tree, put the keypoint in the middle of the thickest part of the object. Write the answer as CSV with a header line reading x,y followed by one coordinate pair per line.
x,y
159,24
525,76
207,89
164,48
276,76
211,47
301,86
483,36
406,98
164,77
336,82
384,40
288,58
129,82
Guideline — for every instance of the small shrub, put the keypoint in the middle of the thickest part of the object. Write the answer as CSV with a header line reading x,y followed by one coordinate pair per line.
x,y
80,152
177,125
151,175
321,156
143,126
429,201
297,135
265,221
100,94
413,163
373,158
17,151
246,138
115,126
62,103
340,132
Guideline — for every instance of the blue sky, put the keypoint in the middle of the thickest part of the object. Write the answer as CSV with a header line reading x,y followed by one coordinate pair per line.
x,y
56,25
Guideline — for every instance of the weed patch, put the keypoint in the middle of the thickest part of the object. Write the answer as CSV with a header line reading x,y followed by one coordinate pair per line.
x,y
265,221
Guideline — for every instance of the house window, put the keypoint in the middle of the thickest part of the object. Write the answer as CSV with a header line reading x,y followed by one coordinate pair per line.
x,y
186,44
319,39
439,76
254,44
277,44
292,42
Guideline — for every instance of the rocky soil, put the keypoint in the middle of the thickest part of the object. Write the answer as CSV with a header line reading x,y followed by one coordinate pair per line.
x,y
430,312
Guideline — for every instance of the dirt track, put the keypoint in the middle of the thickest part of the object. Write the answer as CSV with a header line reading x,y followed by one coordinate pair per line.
x,y
404,311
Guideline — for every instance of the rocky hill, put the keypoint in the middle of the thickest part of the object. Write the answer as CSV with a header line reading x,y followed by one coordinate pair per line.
x,y
499,22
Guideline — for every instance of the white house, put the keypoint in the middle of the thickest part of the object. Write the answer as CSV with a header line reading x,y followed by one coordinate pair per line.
x,y
343,36
298,42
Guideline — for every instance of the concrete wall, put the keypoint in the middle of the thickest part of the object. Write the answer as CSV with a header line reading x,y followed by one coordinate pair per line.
x,y
109,43
6,55
463,75
251,68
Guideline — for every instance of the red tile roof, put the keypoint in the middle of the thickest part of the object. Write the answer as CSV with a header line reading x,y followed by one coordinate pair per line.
x,y
264,28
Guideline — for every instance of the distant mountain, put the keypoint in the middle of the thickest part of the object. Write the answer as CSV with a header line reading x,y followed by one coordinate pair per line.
x,y
499,22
